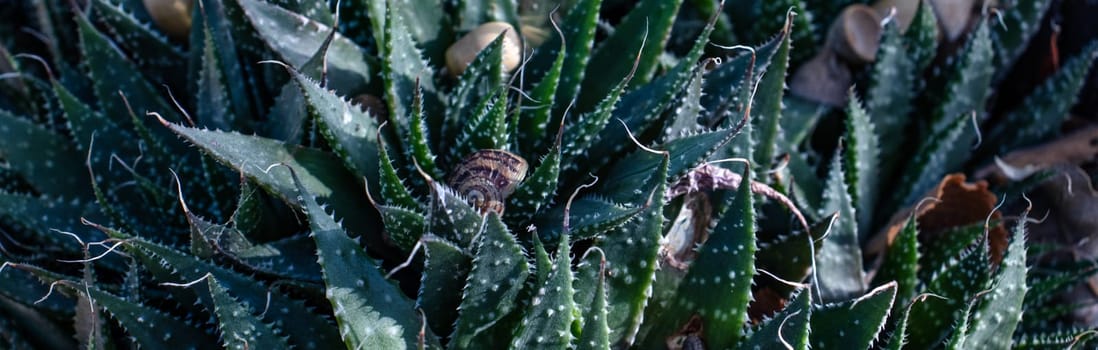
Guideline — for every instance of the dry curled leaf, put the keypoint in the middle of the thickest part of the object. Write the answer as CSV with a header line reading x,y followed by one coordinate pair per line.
x,y
768,301
689,229
952,203
1074,148
709,177
689,336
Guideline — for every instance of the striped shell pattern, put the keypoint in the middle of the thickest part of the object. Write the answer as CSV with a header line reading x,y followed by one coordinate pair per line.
x,y
486,177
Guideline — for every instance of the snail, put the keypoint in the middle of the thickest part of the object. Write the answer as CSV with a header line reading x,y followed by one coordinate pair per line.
x,y
487,177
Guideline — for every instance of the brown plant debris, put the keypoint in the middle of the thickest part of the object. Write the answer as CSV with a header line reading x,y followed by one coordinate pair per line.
x,y
953,203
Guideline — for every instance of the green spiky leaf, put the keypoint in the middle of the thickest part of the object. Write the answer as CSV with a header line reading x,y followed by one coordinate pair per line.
x,y
768,105
402,66
588,217
901,262
932,161
213,105
289,258
688,111
45,159
966,92
444,273
996,318
839,261
393,190
634,172
853,324
790,326
487,129
1043,110
891,91
652,18
239,327
350,131
862,167
771,15
111,72
1021,19
304,327
451,217
632,251
42,214
403,227
578,27
591,300
420,148
161,61
953,284
642,106
547,324
922,37
533,194
320,173
211,21
296,38
370,310
499,272
533,122
476,86
724,266
148,326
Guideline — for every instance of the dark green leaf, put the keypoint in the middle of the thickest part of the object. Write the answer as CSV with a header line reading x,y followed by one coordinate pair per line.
x,y
890,94
1043,110
954,284
444,273
451,218
160,60
790,326
998,315
547,324
853,324
320,173
46,160
371,311
862,165
651,18
351,132
149,327
901,263
499,272
632,251
767,107
591,300
1021,19
724,267
839,261
239,327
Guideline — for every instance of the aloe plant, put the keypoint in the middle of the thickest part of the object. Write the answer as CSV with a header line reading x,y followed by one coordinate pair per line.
x,y
283,175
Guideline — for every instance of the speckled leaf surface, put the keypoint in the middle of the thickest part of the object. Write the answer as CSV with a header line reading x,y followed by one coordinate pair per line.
x,y
240,329
499,272
853,324
371,310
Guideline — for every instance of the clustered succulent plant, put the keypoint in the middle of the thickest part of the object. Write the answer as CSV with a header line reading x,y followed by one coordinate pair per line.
x,y
589,174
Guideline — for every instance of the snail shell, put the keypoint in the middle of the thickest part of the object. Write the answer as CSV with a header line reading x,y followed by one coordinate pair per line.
x,y
487,177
